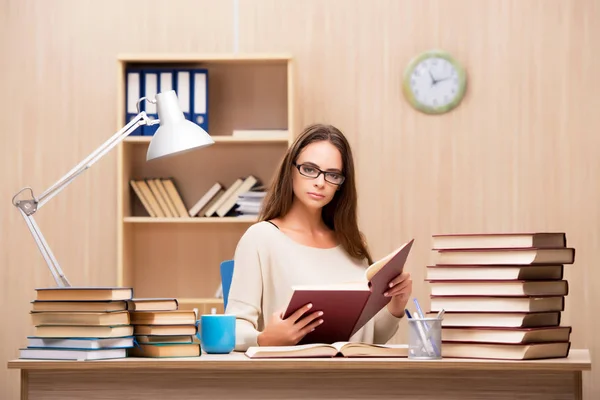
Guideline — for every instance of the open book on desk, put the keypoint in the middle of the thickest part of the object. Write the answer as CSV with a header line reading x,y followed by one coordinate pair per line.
x,y
338,349
347,307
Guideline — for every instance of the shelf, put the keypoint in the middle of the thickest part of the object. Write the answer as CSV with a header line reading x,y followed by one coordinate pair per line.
x,y
172,257
217,138
191,57
195,220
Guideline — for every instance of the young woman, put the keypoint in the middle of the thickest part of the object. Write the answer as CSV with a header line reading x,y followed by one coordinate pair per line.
x,y
307,234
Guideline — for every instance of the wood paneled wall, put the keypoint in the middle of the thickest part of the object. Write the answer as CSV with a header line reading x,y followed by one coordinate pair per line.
x,y
520,153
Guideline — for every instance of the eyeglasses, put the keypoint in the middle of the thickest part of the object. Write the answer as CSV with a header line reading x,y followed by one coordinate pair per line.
x,y
314,172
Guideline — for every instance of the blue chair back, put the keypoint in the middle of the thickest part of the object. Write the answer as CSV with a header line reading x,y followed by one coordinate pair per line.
x,y
226,277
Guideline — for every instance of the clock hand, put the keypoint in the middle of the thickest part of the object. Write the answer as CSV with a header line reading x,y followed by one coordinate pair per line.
x,y
433,81
444,79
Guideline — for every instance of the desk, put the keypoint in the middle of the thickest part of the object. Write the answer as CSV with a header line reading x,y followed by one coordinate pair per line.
x,y
234,376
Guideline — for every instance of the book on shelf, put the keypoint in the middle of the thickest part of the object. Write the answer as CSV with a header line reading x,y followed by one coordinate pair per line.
x,y
502,293
349,306
159,197
250,202
227,202
207,200
337,349
190,84
80,323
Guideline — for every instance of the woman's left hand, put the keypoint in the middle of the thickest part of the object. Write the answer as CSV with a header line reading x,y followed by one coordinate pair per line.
x,y
400,291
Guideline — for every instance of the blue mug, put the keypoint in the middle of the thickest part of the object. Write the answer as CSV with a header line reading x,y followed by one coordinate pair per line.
x,y
216,333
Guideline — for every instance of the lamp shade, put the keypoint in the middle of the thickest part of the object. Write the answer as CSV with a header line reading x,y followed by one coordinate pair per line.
x,y
175,133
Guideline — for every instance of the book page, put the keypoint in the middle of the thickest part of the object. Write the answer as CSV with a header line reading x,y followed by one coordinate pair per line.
x,y
315,350
393,265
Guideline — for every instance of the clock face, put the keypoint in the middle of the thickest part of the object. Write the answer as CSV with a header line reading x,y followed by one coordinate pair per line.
x,y
434,83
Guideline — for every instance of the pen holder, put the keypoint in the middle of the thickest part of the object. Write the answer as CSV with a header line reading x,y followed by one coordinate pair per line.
x,y
425,338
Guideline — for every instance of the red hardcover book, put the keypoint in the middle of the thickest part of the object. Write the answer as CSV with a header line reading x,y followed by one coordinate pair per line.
x,y
347,307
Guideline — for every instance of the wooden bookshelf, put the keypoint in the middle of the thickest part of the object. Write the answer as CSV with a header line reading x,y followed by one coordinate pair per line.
x,y
180,256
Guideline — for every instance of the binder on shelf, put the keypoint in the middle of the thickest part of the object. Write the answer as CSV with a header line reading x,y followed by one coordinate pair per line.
x,y
155,81
199,90
183,89
134,90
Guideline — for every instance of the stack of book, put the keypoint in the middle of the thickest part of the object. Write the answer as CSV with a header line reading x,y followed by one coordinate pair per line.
x,y
161,329
250,202
502,294
90,323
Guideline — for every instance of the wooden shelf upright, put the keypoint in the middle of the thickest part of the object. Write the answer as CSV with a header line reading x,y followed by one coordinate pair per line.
x,y
180,256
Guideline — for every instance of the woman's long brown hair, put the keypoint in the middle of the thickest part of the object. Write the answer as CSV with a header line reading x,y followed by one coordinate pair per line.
x,y
340,214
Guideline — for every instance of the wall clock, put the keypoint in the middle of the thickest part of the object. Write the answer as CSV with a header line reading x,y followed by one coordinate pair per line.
x,y
434,82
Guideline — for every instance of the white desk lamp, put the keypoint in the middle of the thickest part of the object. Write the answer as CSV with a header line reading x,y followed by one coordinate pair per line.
x,y
175,135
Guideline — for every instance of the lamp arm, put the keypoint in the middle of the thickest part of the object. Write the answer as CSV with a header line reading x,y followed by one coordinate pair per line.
x,y
29,206
91,159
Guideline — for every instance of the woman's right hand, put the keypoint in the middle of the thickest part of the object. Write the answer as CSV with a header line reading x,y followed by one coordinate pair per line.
x,y
289,331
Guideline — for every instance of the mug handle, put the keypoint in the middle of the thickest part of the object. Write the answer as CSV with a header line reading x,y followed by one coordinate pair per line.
x,y
198,322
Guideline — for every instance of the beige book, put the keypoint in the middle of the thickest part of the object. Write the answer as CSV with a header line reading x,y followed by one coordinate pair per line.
x,y
499,319
500,240
496,304
337,349
71,331
489,273
80,318
179,317
507,335
140,195
159,197
506,256
205,199
166,197
81,306
499,288
505,351
75,293
164,330
230,201
165,339
175,196
152,304
213,209
165,350
147,192
211,203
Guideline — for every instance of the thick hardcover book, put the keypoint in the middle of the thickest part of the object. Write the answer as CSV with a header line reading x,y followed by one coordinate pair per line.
x,y
347,307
